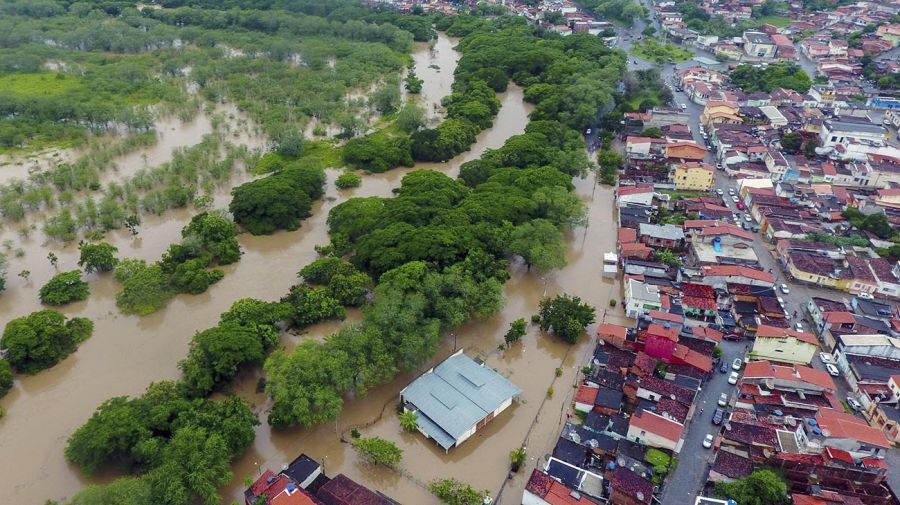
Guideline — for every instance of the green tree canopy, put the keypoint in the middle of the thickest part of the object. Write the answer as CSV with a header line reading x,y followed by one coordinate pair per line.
x,y
100,257
567,316
63,288
41,339
378,451
762,487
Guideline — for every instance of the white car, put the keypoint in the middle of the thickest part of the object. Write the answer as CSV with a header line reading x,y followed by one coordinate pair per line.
x,y
723,399
832,370
855,405
781,301
865,296
826,358
733,378
748,218
731,191
720,192
784,289
799,327
708,441
735,199
736,364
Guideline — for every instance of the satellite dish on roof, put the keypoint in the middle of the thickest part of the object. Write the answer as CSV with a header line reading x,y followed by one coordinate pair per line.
x,y
639,495
672,396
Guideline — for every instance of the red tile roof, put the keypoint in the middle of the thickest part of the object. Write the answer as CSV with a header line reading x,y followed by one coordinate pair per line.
x,y
725,229
773,332
634,190
586,394
841,425
611,329
737,270
700,223
666,316
799,373
342,490
840,317
551,491
708,333
657,424
693,358
733,466
627,235
699,303
659,331
297,497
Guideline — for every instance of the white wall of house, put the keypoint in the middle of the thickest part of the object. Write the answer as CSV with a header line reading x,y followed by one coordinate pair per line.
x,y
635,434
529,498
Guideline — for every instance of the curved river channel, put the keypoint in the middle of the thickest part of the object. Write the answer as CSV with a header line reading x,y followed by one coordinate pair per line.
x,y
126,353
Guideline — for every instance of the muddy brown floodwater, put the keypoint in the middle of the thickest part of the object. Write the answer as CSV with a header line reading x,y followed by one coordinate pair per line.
x,y
126,353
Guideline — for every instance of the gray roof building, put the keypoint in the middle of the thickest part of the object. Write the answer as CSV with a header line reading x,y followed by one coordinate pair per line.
x,y
456,398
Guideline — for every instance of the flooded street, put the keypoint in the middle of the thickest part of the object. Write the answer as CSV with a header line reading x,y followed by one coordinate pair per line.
x,y
127,353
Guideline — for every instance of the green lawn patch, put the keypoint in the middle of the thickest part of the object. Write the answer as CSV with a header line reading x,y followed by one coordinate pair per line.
x,y
660,51
779,21
38,83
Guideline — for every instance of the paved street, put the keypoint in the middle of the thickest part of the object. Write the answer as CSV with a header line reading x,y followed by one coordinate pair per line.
x,y
693,459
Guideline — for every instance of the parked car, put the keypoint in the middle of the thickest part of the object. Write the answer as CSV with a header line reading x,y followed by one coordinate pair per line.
x,y
826,358
734,199
733,378
855,405
748,218
719,192
781,301
784,289
723,399
734,337
737,364
718,416
740,205
723,367
755,228
799,326
832,370
865,296
731,191
708,441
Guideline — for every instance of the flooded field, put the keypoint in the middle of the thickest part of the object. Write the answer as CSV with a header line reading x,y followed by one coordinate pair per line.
x,y
127,353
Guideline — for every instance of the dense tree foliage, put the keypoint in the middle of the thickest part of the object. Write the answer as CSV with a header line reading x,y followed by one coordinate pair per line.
x,y
100,257
454,492
63,288
378,451
762,487
277,202
209,239
566,316
182,446
378,152
41,339
622,10
6,377
781,75
875,223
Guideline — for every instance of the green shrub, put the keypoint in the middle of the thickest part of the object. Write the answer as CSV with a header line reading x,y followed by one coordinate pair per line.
x,y
64,288
348,180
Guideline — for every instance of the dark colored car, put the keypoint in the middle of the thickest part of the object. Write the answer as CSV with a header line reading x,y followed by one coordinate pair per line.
x,y
718,416
723,367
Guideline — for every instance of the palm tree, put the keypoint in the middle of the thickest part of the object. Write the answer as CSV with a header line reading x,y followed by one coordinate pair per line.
x,y
518,457
409,421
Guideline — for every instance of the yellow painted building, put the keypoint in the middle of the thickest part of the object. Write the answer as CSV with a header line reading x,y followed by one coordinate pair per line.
x,y
693,176
718,111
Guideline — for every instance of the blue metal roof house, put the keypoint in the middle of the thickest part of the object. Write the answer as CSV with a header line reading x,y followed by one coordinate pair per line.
x,y
457,398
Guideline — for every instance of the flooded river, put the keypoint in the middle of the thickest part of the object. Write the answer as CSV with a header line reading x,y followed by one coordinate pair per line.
x,y
127,353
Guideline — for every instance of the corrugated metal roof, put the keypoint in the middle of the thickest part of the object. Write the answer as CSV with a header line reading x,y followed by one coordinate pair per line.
x,y
455,395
